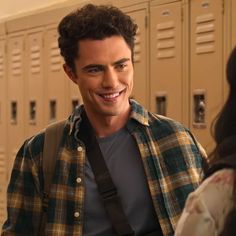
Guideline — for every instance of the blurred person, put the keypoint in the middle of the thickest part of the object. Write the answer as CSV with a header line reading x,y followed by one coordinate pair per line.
x,y
210,210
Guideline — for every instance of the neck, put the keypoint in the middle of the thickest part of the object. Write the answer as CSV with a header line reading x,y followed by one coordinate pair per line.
x,y
107,125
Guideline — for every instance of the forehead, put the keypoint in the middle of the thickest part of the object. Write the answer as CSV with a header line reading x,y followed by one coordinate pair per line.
x,y
108,49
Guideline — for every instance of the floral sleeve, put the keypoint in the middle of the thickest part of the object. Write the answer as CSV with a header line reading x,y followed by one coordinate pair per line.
x,y
206,208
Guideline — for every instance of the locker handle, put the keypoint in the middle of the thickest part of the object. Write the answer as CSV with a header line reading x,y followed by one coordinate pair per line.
x,y
161,104
14,112
32,112
199,110
74,103
53,110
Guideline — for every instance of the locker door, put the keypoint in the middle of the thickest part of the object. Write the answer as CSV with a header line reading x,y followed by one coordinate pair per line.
x,y
206,67
57,83
35,82
166,60
15,86
3,125
140,90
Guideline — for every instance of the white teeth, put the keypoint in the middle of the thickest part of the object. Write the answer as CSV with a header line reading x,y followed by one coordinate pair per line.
x,y
108,96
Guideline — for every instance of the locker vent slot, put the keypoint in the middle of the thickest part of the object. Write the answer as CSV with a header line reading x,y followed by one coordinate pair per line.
x,y
16,61
55,58
205,34
166,38
137,47
35,59
3,167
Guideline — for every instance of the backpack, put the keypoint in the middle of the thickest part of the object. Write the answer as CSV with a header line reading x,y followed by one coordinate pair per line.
x,y
52,138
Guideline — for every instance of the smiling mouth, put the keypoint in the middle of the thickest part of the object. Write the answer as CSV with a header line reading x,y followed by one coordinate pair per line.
x,y
111,96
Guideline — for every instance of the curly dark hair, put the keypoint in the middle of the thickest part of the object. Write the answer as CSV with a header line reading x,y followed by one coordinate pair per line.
x,y
93,22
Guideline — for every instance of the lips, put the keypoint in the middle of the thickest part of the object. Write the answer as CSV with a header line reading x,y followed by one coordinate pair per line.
x,y
109,96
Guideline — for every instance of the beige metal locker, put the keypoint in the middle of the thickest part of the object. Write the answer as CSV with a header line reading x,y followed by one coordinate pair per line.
x,y
3,125
15,89
3,100
166,84
57,83
141,83
34,103
206,67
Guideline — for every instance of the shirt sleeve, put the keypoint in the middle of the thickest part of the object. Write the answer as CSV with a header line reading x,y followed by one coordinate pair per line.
x,y
206,208
23,194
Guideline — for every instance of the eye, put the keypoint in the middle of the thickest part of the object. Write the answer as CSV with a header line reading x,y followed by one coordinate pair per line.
x,y
121,66
94,69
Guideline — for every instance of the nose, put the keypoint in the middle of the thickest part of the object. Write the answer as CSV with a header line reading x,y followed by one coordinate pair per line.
x,y
110,78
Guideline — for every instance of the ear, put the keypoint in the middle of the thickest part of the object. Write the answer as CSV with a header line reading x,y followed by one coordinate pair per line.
x,y
70,73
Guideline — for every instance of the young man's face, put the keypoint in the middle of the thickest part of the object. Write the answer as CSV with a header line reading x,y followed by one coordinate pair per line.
x,y
104,74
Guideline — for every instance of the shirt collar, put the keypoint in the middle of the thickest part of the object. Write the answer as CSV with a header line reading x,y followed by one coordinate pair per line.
x,y
138,113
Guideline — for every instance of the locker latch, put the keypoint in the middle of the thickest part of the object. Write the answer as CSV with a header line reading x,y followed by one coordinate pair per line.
x,y
53,108
199,116
161,104
32,112
13,112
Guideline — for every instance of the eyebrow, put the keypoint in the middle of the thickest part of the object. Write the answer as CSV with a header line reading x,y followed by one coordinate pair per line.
x,y
120,61
100,66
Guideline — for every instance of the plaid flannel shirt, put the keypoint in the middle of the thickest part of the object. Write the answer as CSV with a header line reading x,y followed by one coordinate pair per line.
x,y
172,160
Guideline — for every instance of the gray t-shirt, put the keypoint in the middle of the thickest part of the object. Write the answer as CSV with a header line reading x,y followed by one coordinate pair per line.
x,y
125,166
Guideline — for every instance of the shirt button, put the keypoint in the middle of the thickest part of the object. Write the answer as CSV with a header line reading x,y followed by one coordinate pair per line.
x,y
76,214
78,180
79,149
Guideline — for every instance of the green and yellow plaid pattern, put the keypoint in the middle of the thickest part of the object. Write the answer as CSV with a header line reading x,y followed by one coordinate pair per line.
x,y
171,157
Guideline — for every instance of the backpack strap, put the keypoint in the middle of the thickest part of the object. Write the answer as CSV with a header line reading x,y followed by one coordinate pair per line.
x,y
105,185
52,138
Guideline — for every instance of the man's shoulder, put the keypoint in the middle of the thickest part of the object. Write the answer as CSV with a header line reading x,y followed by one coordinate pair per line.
x,y
36,142
164,125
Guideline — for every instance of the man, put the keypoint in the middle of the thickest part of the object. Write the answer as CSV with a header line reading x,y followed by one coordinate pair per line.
x,y
154,161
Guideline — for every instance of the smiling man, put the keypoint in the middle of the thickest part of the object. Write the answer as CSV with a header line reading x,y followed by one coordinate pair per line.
x,y
120,170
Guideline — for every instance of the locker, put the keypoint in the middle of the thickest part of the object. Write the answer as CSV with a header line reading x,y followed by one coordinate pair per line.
x,y
15,86
166,85
34,103
206,80
3,97
140,89
57,83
